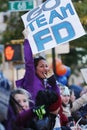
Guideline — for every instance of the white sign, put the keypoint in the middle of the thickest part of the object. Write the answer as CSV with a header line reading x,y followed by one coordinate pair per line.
x,y
84,73
52,23
63,48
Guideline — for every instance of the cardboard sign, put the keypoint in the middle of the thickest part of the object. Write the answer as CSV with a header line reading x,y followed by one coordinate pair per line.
x,y
84,73
52,23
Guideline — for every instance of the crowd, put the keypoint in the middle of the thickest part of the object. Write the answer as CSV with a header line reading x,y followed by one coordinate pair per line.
x,y
40,103
4,82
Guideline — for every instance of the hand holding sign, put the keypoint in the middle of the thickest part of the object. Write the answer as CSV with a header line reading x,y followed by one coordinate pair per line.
x,y
26,33
51,24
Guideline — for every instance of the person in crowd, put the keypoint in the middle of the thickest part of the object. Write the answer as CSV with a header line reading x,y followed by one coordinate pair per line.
x,y
77,90
36,72
81,113
75,103
74,109
65,96
52,102
20,100
4,82
68,98
3,109
40,117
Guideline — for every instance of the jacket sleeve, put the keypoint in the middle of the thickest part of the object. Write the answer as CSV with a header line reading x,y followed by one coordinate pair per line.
x,y
24,117
29,66
52,82
79,102
77,116
27,81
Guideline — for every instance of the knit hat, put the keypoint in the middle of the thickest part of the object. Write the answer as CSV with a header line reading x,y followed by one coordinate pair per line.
x,y
66,91
54,106
49,98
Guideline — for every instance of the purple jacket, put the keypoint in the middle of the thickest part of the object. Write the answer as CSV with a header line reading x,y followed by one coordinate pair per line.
x,y
18,121
30,81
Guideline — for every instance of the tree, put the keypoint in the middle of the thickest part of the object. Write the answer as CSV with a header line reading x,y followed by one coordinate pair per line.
x,y
4,5
14,27
14,24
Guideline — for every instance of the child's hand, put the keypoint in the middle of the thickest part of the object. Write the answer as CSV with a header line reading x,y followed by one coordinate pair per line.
x,y
76,128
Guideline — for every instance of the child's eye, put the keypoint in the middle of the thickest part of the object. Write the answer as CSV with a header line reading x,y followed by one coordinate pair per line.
x,y
25,100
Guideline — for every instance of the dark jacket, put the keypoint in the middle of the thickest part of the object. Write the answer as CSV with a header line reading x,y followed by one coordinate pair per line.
x,y
27,120
81,114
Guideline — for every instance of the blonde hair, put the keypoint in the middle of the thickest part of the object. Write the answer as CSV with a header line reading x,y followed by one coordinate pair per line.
x,y
22,91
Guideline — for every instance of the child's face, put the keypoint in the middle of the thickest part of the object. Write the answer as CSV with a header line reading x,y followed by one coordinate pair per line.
x,y
23,101
65,99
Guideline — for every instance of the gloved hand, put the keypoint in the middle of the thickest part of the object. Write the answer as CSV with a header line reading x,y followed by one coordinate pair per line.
x,y
39,111
52,80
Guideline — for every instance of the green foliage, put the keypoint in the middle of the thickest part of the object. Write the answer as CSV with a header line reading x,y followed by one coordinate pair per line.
x,y
80,42
76,58
3,5
14,28
81,9
14,24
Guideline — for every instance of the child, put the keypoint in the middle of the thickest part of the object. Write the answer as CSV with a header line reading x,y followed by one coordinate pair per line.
x,y
52,102
20,101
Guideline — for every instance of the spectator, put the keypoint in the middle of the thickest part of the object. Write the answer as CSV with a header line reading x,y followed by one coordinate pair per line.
x,y
23,117
4,83
65,96
36,72
4,103
20,101
52,103
77,90
79,112
67,105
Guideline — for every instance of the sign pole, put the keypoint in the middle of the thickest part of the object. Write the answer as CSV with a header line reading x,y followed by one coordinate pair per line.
x,y
53,60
